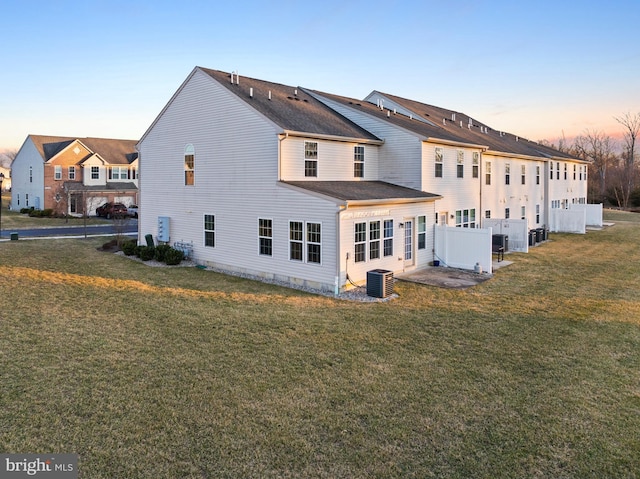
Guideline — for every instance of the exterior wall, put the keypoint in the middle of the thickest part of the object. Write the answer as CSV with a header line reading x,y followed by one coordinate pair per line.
x,y
498,196
458,194
70,156
86,166
236,168
335,160
399,157
400,214
27,190
564,190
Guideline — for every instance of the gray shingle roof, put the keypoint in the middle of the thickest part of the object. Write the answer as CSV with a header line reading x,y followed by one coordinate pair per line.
x,y
291,108
363,190
113,151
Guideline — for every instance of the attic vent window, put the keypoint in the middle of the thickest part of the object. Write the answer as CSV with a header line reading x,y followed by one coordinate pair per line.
x,y
76,150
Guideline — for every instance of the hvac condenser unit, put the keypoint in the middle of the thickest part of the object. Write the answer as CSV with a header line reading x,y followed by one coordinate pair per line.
x,y
379,283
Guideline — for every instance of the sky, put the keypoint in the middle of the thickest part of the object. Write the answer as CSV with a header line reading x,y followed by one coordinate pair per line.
x,y
106,68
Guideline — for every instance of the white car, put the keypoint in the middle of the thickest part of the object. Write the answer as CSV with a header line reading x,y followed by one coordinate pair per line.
x,y
132,211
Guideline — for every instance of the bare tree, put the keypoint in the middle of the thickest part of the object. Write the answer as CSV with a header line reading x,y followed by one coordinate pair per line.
x,y
598,149
631,124
7,157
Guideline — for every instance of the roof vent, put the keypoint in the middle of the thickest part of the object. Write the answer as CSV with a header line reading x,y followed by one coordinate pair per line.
x,y
388,113
269,94
444,121
410,117
295,92
232,73
251,92
460,123
453,117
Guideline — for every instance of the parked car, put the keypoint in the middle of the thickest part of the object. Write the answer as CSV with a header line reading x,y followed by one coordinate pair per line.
x,y
132,211
112,210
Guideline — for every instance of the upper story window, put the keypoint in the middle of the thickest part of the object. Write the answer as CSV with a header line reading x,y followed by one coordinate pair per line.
x,y
537,175
311,158
439,161
460,164
72,172
574,171
557,170
95,172
57,172
507,174
118,173
487,174
475,167
523,174
565,171
551,170
189,165
358,161
31,174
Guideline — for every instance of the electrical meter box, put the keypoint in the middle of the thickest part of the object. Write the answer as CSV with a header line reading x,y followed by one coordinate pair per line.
x,y
163,229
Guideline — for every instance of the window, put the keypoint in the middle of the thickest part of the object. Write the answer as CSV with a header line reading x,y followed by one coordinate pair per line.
x,y
265,236
574,172
551,170
374,240
95,172
310,158
506,213
507,174
537,213
487,214
475,168
72,172
313,243
523,174
565,171
580,172
537,175
30,175
189,165
360,242
210,230
358,161
422,232
26,199
487,174
388,237
296,241
134,173
118,173
57,172
523,211
439,161
460,164
466,218
557,170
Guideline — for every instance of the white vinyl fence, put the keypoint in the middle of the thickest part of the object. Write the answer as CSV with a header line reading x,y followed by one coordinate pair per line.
x,y
463,247
568,221
516,230
593,213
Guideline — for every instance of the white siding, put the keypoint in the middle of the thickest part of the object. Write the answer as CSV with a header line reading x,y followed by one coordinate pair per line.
x,y
27,158
236,167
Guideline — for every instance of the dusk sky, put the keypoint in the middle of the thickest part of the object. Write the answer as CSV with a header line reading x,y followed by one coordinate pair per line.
x,y
106,68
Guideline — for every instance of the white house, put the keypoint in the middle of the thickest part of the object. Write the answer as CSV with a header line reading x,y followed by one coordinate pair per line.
x,y
318,189
263,178
69,175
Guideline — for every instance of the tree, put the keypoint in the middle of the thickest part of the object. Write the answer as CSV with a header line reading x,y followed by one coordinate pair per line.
x,y
631,124
7,157
598,149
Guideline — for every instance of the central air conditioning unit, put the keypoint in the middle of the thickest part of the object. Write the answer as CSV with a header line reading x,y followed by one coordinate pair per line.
x,y
379,283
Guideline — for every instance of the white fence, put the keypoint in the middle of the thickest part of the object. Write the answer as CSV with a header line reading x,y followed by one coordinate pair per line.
x,y
463,247
568,221
516,230
593,213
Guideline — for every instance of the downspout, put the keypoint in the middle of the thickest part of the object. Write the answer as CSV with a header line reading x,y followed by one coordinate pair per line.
x,y
336,291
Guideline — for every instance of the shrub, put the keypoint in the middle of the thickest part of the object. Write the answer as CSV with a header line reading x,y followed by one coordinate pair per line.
x,y
173,256
146,253
129,247
161,251
25,211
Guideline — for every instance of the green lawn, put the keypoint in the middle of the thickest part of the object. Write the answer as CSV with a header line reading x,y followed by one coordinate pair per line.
x,y
185,373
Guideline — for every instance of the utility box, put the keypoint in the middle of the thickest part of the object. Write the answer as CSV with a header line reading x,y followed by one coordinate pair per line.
x,y
500,241
379,283
163,229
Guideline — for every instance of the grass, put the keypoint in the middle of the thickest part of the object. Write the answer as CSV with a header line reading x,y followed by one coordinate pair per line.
x,y
179,372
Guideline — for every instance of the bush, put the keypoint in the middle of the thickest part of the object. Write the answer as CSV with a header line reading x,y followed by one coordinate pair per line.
x,y
25,211
173,256
129,247
161,252
146,253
